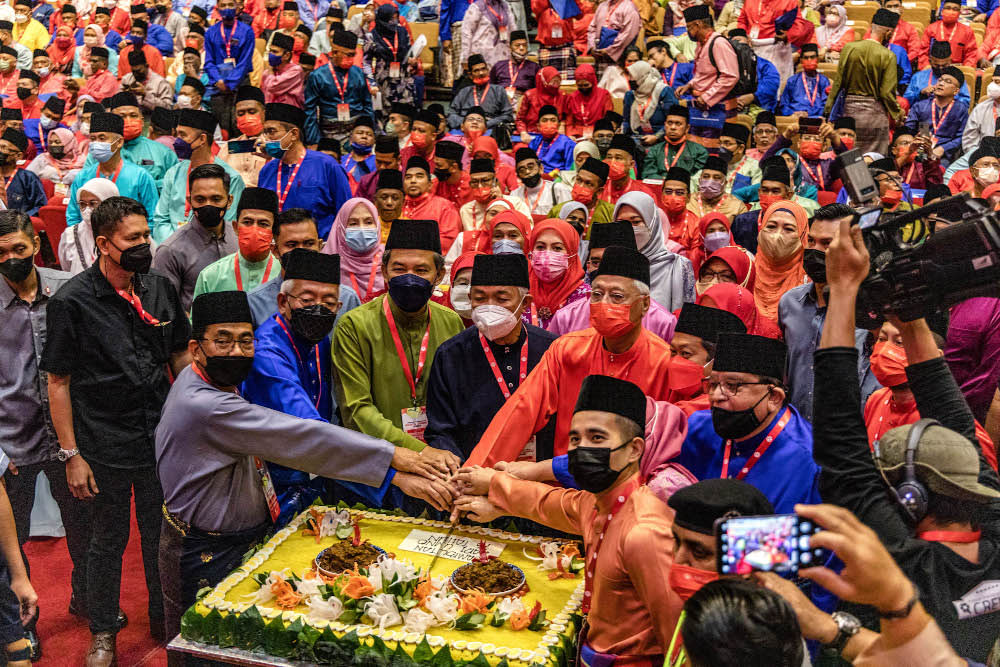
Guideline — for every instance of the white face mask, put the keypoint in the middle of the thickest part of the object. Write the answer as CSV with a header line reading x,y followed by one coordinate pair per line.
x,y
716,240
183,101
84,128
85,214
460,300
988,175
642,235
21,18
494,321
89,41
993,90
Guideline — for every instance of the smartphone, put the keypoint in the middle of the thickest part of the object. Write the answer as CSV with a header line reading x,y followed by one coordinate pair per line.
x,y
924,129
809,125
776,543
242,145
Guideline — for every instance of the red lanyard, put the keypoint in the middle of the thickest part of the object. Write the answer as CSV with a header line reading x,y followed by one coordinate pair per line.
x,y
227,41
815,92
134,301
909,174
282,196
41,135
531,205
395,46
239,278
319,374
735,172
643,108
512,73
936,122
952,32
500,20
187,192
677,156
522,373
371,283
763,447
410,378
623,496
958,537
673,73
114,177
816,176
8,181
477,100
341,90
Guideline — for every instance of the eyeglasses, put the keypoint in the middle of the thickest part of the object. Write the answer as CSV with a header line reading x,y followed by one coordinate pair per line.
x,y
333,305
616,297
719,276
729,387
225,345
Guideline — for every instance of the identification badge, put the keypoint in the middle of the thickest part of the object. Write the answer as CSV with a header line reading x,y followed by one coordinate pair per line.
x,y
503,33
511,92
394,70
61,189
343,112
754,31
529,453
229,61
557,32
415,421
269,495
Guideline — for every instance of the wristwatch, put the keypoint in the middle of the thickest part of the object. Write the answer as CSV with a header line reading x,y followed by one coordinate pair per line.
x,y
847,627
66,454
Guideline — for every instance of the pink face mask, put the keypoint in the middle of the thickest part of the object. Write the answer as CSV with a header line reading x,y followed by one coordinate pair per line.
x,y
549,265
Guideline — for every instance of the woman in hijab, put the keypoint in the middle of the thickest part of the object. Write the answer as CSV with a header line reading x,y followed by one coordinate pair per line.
x,y
556,275
780,245
546,91
62,49
587,104
63,161
802,189
576,214
477,239
833,34
740,302
93,36
385,51
486,147
730,264
458,294
713,233
355,237
507,231
486,30
647,102
77,249
581,152
671,280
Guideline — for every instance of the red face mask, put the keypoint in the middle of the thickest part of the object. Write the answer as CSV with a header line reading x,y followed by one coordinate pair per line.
x,y
903,155
685,378
611,320
810,65
889,363
810,149
949,16
581,193
287,22
418,139
298,46
473,134
674,203
482,195
133,128
64,42
847,142
616,170
191,43
767,199
254,242
548,128
250,124
347,62
686,580
892,197
481,80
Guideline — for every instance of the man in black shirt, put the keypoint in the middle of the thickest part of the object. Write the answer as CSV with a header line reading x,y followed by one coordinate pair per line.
x,y
950,549
112,330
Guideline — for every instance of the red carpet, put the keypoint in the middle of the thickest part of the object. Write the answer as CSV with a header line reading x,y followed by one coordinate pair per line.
x,y
66,638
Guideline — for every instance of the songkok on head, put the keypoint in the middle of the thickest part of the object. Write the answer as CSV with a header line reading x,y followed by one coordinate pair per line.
x,y
305,264
736,131
886,19
518,34
706,323
28,74
198,119
418,162
678,174
404,109
136,58
389,179
941,49
508,269
345,39
603,393
697,12
335,12
7,25
162,118
137,9
139,23
56,105
715,163
697,507
7,113
478,111
260,199
596,167
427,116
996,71
246,93
106,122
414,235
289,6
844,123
285,113
621,142
200,11
17,138
604,125
219,308
776,172
885,164
936,191
757,355
524,153
304,29
88,107
625,262
679,110
476,59
282,41
765,118
808,48
195,28
39,53
123,99
364,121
608,234
482,166
985,150
736,32
386,144
449,150
548,110
954,73
98,51
191,51
329,145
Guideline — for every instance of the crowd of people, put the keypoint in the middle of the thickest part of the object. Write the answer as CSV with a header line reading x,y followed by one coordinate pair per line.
x,y
286,277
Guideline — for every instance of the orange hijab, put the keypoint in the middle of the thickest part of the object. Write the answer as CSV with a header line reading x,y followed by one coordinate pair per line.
x,y
775,278
552,295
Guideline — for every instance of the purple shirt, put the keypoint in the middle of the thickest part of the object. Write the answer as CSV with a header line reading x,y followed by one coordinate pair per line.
x,y
524,78
972,350
576,316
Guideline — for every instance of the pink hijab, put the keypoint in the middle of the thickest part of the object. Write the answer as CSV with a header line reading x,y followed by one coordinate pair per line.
x,y
353,263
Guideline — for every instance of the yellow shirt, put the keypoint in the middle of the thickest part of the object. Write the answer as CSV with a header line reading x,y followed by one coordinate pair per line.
x,y
32,35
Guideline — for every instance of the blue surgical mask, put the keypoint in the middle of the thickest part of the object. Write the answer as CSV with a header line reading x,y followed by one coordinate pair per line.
x,y
274,149
101,150
182,149
361,150
228,14
46,122
273,60
138,42
361,240
507,247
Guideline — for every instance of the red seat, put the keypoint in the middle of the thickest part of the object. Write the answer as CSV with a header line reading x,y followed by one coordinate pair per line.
x,y
49,187
54,218
824,197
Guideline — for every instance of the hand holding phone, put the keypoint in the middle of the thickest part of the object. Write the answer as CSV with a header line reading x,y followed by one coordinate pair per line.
x,y
774,543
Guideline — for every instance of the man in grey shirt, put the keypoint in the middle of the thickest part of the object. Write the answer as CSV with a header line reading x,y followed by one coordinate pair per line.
x,y
211,444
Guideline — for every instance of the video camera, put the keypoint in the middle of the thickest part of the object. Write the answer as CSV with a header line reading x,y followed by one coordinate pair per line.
x,y
917,269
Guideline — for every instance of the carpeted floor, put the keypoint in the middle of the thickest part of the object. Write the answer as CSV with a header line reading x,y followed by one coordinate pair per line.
x,y
66,638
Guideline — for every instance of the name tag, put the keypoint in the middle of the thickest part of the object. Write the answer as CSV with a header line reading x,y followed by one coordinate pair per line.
x,y
557,31
344,112
230,61
394,70
754,31
146,163
268,486
529,453
503,33
415,421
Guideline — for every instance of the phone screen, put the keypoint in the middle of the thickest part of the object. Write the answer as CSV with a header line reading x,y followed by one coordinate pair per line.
x,y
775,543
869,218
241,145
810,124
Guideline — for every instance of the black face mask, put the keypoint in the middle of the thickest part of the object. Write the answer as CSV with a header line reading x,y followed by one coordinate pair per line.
x,y
531,181
136,259
735,424
209,216
227,371
16,269
591,467
814,262
314,323
23,93
725,154
58,152
410,292
603,144
442,174
937,69
633,86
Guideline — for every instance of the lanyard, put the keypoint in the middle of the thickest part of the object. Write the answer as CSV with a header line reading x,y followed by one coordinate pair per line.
x,y
815,91
227,41
477,100
735,172
522,372
909,174
410,379
282,196
341,90
679,657
134,301
936,122
114,177
673,73
8,181
711,209
763,447
41,136
949,38
816,176
371,283
239,278
500,20
395,46
319,374
677,156
531,205
187,192
512,73
959,537
626,491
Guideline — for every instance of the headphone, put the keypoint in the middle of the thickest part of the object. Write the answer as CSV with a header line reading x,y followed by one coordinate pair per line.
x,y
911,494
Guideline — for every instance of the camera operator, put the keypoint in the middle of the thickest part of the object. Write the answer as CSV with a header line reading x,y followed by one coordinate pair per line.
x,y
950,547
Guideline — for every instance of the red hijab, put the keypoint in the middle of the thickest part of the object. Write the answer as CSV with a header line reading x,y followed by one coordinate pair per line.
x,y
510,216
552,295
697,252
593,105
739,260
740,302
548,94
464,261
62,56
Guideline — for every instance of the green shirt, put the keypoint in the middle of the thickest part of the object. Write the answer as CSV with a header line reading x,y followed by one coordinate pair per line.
x,y
171,210
692,159
372,389
867,68
151,155
220,275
